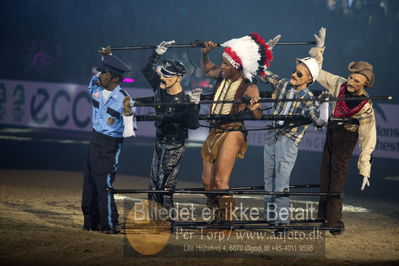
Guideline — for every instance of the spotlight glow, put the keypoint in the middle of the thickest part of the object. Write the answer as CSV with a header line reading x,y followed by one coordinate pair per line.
x,y
128,80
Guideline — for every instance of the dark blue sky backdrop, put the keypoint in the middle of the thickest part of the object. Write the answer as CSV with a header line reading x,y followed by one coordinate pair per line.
x,y
57,41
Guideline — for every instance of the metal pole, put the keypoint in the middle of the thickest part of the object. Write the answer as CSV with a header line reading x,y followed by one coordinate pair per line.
x,y
238,117
224,192
231,223
232,227
198,44
255,187
297,43
244,226
268,100
152,47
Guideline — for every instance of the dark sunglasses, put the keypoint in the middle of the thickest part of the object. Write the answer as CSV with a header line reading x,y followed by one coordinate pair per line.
x,y
298,73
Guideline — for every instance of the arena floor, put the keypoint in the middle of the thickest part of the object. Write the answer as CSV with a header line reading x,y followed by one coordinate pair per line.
x,y
41,221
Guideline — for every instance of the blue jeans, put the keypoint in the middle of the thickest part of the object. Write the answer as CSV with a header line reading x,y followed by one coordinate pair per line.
x,y
279,155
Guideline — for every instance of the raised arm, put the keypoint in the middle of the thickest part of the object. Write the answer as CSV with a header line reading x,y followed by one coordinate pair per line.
x,y
209,68
94,84
274,80
329,81
149,69
269,77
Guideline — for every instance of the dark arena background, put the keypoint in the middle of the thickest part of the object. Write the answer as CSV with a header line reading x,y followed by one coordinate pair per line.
x,y
49,53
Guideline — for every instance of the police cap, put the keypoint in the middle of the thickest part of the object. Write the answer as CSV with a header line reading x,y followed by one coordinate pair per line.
x,y
172,68
113,64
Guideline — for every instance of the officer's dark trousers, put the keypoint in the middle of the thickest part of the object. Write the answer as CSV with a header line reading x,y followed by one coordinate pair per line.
x,y
98,204
337,152
164,170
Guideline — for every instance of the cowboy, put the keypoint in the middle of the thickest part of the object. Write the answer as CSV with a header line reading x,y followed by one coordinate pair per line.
x,y
341,138
242,59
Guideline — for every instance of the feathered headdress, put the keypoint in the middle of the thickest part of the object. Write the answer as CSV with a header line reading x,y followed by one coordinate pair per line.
x,y
251,53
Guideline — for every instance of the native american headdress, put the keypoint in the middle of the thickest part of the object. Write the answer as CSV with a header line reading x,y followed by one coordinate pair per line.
x,y
250,52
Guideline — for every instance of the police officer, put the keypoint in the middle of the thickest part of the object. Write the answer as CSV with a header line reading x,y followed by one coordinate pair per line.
x,y
112,119
172,129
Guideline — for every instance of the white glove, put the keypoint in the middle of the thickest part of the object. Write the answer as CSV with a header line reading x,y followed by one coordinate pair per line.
x,y
128,130
365,183
195,95
323,118
324,97
320,39
163,46
272,42
324,109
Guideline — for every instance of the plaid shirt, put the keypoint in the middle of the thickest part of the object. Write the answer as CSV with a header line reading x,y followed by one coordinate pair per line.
x,y
308,109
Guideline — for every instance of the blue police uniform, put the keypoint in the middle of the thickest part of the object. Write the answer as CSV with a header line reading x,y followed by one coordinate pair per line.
x,y
107,116
98,204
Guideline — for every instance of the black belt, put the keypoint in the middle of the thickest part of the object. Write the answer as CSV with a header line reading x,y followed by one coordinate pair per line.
x,y
102,136
344,120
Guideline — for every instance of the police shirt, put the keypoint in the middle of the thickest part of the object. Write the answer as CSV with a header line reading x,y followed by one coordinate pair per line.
x,y
107,116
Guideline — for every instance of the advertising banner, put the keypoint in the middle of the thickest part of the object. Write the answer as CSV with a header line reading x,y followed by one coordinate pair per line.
x,y
68,107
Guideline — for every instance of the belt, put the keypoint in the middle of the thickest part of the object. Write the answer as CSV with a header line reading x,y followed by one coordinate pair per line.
x,y
343,120
98,135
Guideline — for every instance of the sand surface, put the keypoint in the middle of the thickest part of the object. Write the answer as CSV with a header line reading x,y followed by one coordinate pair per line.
x,y
40,223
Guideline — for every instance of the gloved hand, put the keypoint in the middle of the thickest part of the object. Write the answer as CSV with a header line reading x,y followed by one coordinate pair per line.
x,y
324,97
195,95
324,109
127,109
163,46
320,39
272,42
128,130
365,183
104,51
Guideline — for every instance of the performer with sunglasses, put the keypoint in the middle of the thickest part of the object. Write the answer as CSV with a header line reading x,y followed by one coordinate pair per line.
x,y
281,147
341,138
172,129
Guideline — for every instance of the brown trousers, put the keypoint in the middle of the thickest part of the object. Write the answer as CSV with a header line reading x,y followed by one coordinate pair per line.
x,y
337,152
